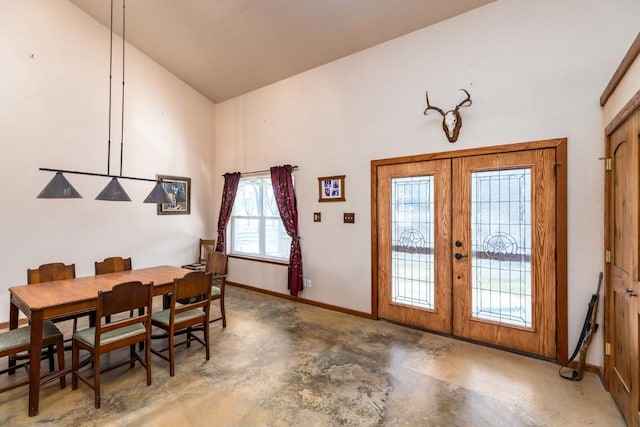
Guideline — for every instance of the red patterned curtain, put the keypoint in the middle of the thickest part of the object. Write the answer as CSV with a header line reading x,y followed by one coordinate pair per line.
x,y
231,181
286,199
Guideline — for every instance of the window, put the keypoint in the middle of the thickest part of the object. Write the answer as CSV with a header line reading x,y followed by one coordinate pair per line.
x,y
255,226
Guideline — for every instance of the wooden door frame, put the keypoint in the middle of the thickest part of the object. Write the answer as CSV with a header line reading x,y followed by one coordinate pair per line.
x,y
560,146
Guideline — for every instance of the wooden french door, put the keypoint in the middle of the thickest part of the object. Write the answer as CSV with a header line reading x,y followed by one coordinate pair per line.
x,y
622,308
504,232
466,246
414,270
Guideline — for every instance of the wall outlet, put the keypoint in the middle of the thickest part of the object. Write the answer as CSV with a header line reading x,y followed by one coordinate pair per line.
x,y
306,282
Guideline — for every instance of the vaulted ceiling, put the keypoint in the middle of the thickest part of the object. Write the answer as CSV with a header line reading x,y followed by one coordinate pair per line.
x,y
225,48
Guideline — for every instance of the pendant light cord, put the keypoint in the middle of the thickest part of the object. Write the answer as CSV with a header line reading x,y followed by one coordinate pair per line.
x,y
110,73
122,110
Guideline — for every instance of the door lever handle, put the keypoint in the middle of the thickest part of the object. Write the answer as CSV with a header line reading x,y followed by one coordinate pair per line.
x,y
631,293
460,256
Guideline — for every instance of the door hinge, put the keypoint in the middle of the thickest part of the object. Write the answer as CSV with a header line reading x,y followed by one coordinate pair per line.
x,y
607,256
607,349
608,164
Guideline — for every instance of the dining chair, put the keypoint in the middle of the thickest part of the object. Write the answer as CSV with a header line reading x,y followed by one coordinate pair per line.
x,y
106,337
48,273
217,265
112,265
18,340
52,272
206,247
190,306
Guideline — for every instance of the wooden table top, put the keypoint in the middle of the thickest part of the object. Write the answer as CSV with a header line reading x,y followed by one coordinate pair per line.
x,y
61,292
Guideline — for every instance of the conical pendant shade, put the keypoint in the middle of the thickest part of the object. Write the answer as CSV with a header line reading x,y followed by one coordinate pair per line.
x,y
113,192
158,195
59,188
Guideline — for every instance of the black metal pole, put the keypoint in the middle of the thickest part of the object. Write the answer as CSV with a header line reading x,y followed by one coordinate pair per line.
x,y
122,110
104,175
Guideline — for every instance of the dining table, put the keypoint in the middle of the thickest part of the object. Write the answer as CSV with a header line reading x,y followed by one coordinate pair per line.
x,y
48,300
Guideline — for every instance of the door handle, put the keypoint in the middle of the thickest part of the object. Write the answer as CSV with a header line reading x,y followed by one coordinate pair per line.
x,y
460,256
631,293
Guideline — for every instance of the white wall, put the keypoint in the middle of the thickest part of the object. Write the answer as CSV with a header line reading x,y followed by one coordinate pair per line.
x,y
54,62
535,71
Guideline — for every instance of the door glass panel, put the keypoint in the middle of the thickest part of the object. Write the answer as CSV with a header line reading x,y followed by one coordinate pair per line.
x,y
501,246
412,240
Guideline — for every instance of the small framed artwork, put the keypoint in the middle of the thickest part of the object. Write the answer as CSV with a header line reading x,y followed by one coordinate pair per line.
x,y
179,190
331,188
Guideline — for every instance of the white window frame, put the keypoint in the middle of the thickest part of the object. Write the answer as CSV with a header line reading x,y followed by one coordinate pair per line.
x,y
234,223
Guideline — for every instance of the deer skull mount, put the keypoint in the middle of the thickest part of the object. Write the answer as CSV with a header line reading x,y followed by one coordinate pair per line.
x,y
451,120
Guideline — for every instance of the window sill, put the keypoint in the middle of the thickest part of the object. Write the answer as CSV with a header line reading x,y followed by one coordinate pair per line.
x,y
258,259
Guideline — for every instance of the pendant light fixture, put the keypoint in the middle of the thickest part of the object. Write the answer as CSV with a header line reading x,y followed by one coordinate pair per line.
x,y
60,188
158,195
113,192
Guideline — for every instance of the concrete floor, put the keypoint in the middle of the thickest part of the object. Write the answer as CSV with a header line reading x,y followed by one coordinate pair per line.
x,y
281,363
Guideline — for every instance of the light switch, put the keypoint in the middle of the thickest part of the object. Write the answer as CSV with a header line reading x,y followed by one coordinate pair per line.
x,y
317,217
349,218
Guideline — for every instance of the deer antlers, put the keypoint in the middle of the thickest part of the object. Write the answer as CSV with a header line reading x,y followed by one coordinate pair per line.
x,y
429,107
451,120
465,102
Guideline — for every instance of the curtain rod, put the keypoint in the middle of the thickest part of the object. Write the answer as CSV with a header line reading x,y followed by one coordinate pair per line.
x,y
263,171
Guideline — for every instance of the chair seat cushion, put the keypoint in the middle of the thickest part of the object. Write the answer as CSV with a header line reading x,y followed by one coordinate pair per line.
x,y
215,291
21,337
163,316
87,336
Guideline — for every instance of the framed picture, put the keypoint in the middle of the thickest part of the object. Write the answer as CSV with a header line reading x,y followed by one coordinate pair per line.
x,y
179,190
331,188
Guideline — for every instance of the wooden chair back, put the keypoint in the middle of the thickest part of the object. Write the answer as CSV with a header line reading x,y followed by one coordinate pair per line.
x,y
112,265
217,263
206,247
194,287
51,272
123,297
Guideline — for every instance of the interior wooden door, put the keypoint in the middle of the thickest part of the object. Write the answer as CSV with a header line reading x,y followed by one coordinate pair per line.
x,y
414,262
504,267
623,290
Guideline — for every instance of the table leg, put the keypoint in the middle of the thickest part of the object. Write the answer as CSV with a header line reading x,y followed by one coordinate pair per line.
x,y
35,356
13,324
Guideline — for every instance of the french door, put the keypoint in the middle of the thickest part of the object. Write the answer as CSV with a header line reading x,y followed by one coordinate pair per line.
x,y
415,271
466,245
